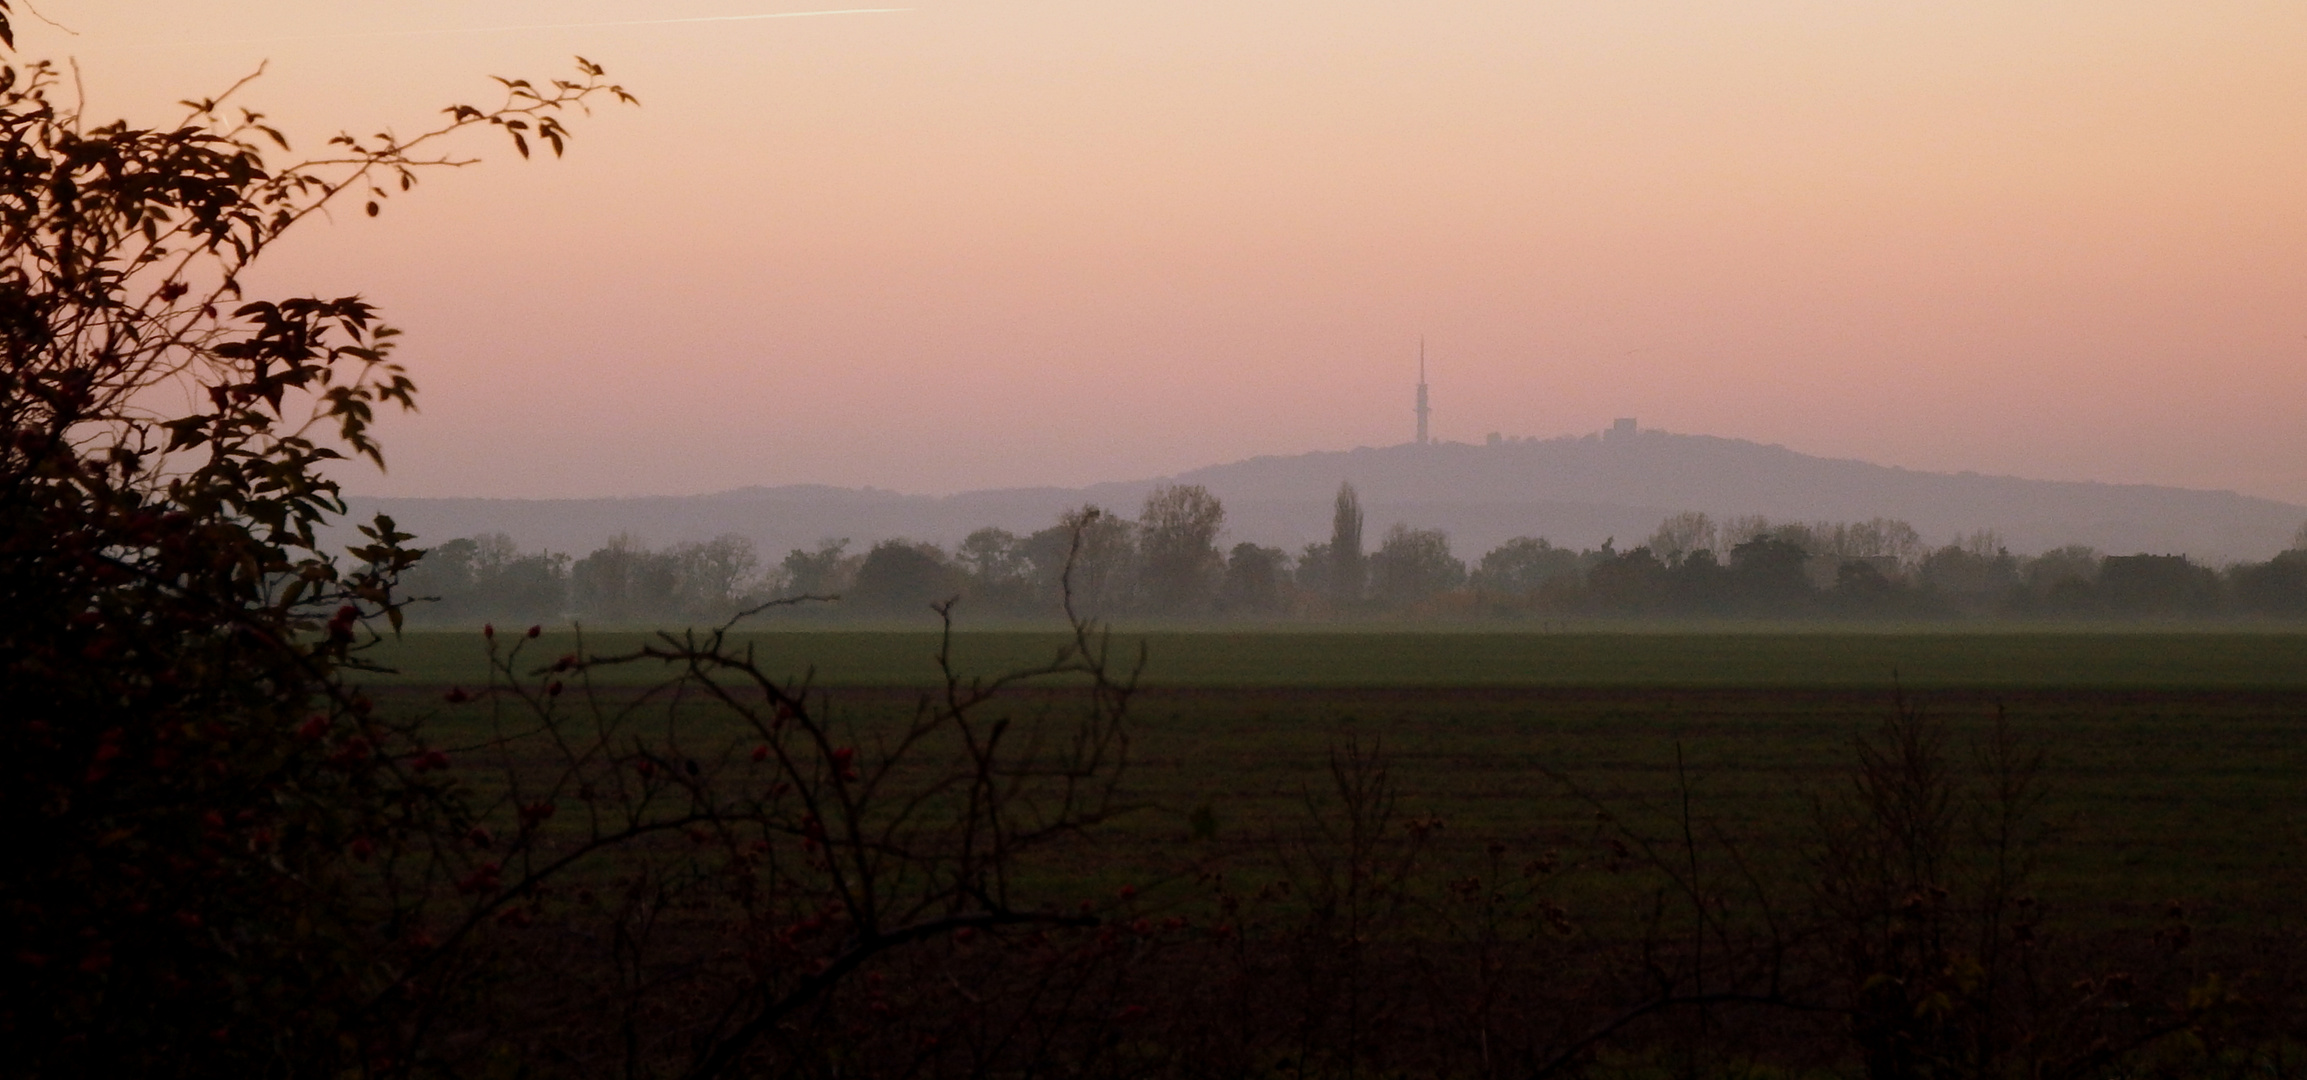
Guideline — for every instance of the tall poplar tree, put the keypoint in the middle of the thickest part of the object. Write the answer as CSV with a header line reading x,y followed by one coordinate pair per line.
x,y
1347,571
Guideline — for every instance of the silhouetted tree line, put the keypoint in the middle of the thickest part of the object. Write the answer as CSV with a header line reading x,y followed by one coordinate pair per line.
x,y
1169,562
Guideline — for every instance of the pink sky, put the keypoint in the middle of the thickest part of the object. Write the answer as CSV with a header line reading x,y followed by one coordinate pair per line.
x,y
1001,242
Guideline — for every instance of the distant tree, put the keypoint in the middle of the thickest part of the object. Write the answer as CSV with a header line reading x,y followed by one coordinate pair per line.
x,y
1519,567
1738,530
1313,570
1863,590
1878,538
1769,576
622,582
2074,563
1699,584
1347,574
1862,582
1413,565
1984,543
1679,536
1045,552
625,581
826,571
530,588
486,577
2157,585
1000,572
992,555
903,577
1178,560
1103,553
653,585
1257,581
1800,534
1627,583
714,578
2060,582
1976,575
491,553
2275,587
444,583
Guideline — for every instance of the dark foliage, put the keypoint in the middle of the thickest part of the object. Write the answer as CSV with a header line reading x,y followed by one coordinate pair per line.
x,y
901,577
191,778
1257,581
2275,587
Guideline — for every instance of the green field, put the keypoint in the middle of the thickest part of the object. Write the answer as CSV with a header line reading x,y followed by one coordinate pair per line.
x,y
1660,659
2151,795
2178,761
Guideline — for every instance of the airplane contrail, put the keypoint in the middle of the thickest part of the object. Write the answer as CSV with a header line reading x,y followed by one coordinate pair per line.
x,y
544,26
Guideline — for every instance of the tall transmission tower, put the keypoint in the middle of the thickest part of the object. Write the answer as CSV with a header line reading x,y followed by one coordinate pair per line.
x,y
1423,410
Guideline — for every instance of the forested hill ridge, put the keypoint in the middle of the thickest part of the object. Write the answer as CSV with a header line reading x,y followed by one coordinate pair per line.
x,y
1575,491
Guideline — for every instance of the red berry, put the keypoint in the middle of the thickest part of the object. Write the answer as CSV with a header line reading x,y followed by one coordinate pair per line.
x,y
482,879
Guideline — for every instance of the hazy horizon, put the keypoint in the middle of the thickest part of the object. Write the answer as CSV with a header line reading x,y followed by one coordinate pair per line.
x,y
1014,243
356,491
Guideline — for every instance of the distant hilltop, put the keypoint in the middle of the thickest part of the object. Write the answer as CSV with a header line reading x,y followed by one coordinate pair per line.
x,y
1576,491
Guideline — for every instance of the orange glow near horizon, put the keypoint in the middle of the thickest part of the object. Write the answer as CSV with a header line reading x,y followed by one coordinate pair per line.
x,y
1014,242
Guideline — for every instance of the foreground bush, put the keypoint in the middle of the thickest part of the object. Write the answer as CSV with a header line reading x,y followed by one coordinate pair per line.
x,y
191,780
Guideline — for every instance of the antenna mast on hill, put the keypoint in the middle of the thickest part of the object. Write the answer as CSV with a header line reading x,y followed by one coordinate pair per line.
x,y
1422,409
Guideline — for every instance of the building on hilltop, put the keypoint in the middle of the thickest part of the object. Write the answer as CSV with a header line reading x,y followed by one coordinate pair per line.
x,y
1423,410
